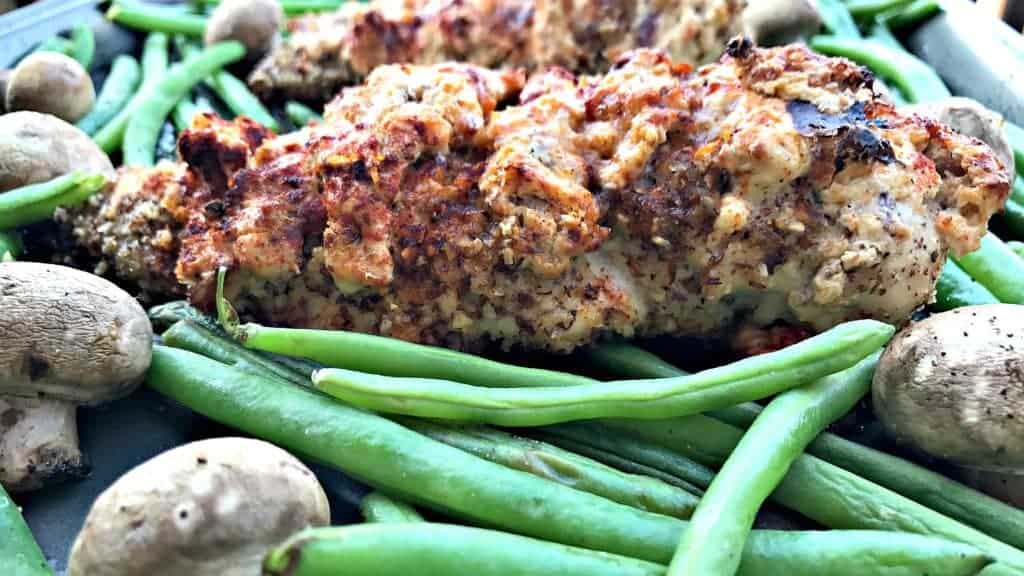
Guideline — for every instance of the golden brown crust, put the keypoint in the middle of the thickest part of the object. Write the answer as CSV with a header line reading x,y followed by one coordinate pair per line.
x,y
325,52
773,186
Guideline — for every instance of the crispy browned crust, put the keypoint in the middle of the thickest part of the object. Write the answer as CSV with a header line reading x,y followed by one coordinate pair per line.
x,y
456,205
325,52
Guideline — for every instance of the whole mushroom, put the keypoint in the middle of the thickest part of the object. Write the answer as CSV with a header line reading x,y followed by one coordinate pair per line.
x,y
254,23
37,147
51,83
69,339
952,386
208,508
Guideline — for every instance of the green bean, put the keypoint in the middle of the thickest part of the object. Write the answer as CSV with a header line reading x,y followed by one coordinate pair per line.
x,y
37,202
154,18
182,114
916,80
154,66
1017,247
19,553
298,7
825,493
144,126
423,471
378,508
1015,134
10,246
868,9
55,44
240,100
552,463
749,379
631,455
301,115
910,15
621,358
83,45
920,484
837,19
957,288
190,335
403,549
718,529
118,89
997,268
155,57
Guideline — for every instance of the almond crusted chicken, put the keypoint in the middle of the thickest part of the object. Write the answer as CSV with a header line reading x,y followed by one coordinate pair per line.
x,y
327,51
455,205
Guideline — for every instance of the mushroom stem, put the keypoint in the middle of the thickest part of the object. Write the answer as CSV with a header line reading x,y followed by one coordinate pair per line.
x,y
38,443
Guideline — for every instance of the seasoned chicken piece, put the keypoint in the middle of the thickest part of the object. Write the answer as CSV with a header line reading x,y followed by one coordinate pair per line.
x,y
325,52
457,205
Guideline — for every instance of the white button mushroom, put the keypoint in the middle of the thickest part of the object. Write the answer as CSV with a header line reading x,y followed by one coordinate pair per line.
x,y
209,508
68,338
971,118
952,385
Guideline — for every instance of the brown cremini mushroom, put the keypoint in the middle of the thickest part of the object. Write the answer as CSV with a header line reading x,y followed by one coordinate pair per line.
x,y
38,147
208,508
952,385
69,339
254,23
50,83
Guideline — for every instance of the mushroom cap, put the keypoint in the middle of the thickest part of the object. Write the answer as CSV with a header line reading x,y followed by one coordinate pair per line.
x,y
953,386
38,147
69,334
52,83
254,23
208,508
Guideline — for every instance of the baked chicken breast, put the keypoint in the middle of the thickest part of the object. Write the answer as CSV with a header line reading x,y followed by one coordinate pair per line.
x,y
324,52
455,205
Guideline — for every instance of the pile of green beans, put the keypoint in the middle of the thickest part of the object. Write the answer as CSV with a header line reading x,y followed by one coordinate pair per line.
x,y
37,202
533,457
718,529
405,463
931,489
19,553
378,508
144,126
119,87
